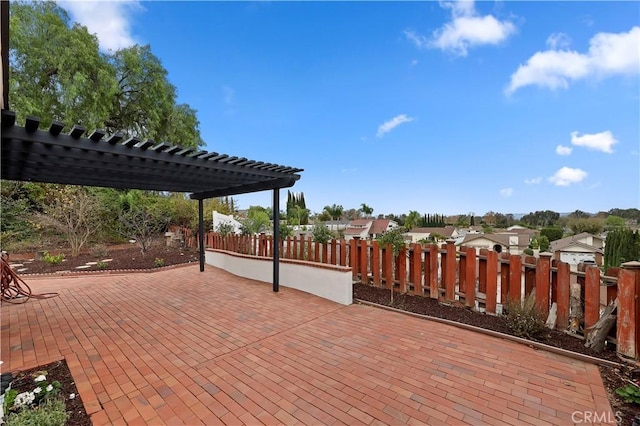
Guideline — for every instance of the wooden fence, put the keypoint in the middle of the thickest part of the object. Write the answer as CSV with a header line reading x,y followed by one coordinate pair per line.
x,y
481,280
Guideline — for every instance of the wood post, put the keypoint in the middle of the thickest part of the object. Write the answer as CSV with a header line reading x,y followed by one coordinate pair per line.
x,y
416,263
564,292
627,332
543,284
591,296
401,262
431,270
470,278
375,262
491,280
515,278
450,276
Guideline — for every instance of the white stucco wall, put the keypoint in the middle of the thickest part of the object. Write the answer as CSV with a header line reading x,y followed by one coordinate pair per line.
x,y
326,281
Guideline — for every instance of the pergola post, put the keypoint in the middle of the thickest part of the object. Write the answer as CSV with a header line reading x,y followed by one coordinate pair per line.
x,y
276,240
201,232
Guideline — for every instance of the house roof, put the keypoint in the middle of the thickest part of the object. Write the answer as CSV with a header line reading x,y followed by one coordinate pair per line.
x,y
502,239
354,231
98,159
379,226
360,222
447,231
565,243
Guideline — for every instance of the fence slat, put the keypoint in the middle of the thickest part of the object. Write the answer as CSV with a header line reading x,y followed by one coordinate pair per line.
x,y
591,296
491,280
626,334
470,278
401,262
375,262
431,270
450,276
563,289
543,284
416,276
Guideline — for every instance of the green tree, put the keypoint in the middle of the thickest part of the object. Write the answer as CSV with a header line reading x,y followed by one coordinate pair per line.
x,y
612,222
321,233
335,211
257,221
142,218
57,71
591,225
622,245
412,219
552,233
74,212
366,210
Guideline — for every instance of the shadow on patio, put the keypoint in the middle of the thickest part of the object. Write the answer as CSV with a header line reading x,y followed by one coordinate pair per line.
x,y
184,347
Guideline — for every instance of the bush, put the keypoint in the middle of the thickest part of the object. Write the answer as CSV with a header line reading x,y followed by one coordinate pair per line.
x,y
525,318
321,234
99,250
102,265
52,259
158,263
50,413
528,252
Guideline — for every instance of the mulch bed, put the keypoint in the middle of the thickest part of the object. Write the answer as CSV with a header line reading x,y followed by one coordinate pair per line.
x,y
57,370
612,378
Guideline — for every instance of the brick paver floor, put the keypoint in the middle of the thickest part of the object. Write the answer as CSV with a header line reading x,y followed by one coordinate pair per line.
x,y
184,347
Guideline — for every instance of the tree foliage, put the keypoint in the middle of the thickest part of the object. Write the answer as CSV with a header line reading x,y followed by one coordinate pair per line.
x,y
552,233
592,225
335,211
622,245
321,233
366,210
141,217
297,211
58,73
540,218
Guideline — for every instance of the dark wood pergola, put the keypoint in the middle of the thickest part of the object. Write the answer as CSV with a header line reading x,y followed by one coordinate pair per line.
x,y
49,155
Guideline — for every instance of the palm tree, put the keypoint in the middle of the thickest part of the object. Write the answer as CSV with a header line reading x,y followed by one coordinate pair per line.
x,y
366,210
412,219
335,211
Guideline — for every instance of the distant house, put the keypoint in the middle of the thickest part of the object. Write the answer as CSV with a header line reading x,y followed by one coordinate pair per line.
x,y
500,243
442,233
219,219
368,228
579,248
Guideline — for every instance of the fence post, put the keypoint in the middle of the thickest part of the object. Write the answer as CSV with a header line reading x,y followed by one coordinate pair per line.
x,y
387,266
491,281
353,257
450,276
401,262
563,292
591,296
416,262
543,269
470,278
364,270
515,277
505,272
482,271
462,269
629,308
375,262
431,270
334,252
343,253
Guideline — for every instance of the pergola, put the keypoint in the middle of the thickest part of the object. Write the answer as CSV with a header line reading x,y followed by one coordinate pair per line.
x,y
48,155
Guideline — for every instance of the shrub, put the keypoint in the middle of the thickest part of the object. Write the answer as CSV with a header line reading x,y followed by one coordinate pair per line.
x,y
630,393
158,263
102,265
528,252
50,413
525,318
99,250
53,259
321,233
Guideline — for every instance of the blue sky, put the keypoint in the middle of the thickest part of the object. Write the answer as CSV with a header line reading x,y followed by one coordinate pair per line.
x,y
431,106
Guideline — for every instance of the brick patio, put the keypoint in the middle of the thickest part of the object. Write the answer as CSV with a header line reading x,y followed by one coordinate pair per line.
x,y
184,347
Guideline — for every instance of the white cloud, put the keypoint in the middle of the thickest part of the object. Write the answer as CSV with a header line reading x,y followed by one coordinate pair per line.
x,y
109,21
609,54
602,141
563,150
567,176
392,124
558,40
533,181
466,29
506,192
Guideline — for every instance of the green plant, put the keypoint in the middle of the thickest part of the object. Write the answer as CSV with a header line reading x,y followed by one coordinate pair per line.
x,y
102,265
528,252
630,393
321,233
100,250
158,263
52,412
52,259
525,318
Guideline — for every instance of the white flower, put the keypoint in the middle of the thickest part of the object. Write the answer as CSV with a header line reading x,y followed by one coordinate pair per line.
x,y
25,398
72,396
37,390
49,388
40,378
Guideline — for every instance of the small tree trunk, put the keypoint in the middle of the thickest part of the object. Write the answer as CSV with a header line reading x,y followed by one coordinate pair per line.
x,y
597,333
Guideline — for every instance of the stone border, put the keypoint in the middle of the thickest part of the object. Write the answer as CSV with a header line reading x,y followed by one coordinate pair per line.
x,y
69,273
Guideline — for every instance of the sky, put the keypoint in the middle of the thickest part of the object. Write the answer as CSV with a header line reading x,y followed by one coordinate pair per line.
x,y
438,107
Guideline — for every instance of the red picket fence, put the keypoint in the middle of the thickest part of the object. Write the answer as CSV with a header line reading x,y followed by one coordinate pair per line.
x,y
481,280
